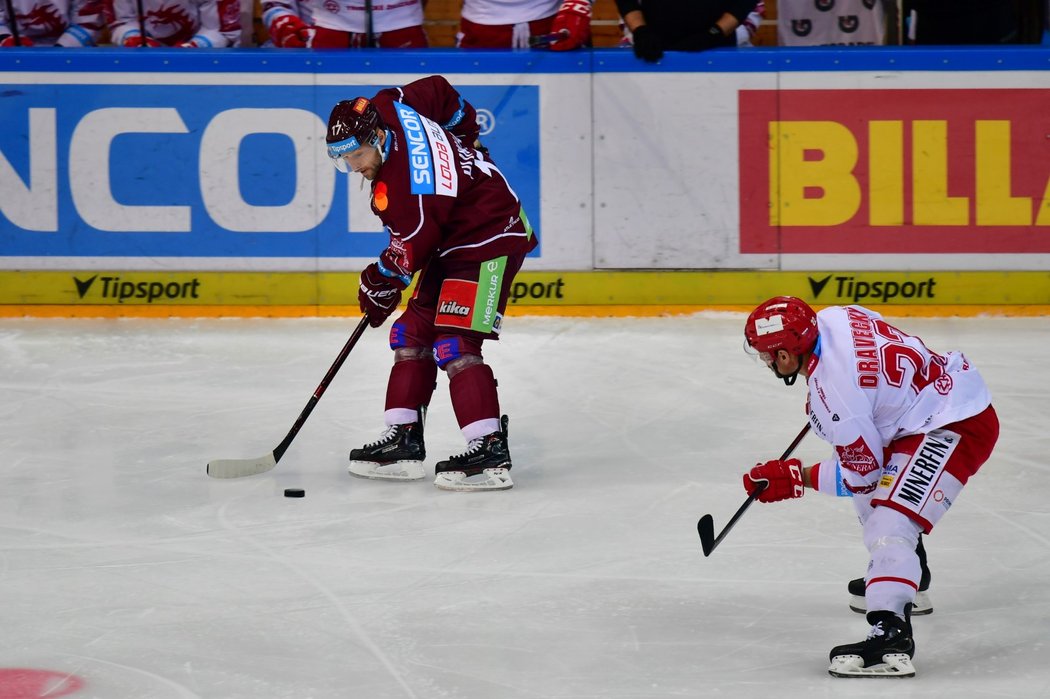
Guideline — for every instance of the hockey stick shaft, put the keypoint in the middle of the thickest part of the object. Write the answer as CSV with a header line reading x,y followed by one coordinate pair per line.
x,y
235,468
12,22
370,35
706,526
142,23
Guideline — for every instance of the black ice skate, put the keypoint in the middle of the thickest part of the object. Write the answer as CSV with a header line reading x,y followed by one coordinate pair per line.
x,y
485,465
887,651
397,456
923,605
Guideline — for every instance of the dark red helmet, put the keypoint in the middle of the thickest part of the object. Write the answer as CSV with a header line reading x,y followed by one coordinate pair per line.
x,y
352,124
782,322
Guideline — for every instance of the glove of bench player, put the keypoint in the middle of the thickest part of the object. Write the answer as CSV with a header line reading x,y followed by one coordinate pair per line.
x,y
135,41
379,294
8,41
572,26
783,479
289,32
648,45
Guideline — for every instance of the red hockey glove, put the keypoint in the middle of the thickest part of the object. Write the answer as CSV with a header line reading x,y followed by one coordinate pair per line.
x,y
784,480
379,294
134,42
8,41
289,32
572,26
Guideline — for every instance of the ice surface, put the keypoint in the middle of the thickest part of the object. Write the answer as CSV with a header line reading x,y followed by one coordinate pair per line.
x,y
124,565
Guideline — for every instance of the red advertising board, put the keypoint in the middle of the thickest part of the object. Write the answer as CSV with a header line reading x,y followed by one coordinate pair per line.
x,y
895,171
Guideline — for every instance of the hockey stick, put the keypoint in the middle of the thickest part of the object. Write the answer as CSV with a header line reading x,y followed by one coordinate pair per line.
x,y
706,526
142,24
12,20
237,468
370,35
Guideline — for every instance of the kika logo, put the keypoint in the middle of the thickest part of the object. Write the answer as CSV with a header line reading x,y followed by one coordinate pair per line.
x,y
114,288
451,308
882,290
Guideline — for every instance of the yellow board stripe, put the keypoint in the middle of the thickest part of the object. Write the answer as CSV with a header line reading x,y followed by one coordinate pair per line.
x,y
210,294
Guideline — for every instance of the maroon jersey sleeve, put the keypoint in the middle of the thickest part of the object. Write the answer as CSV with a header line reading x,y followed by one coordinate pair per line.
x,y
435,98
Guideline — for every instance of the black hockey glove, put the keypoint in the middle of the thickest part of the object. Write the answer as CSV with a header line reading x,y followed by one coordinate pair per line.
x,y
648,45
379,294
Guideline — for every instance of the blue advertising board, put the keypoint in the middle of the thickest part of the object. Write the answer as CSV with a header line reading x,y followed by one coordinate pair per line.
x,y
208,168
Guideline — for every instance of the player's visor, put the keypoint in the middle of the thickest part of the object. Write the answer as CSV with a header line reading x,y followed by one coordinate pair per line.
x,y
765,358
337,150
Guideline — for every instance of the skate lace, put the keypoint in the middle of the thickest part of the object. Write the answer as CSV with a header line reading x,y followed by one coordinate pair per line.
x,y
473,446
387,435
877,631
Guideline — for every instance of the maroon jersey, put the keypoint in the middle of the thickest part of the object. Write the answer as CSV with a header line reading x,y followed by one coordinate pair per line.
x,y
435,193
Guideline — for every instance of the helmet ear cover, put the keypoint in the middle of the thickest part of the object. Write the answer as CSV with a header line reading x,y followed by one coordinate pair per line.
x,y
782,322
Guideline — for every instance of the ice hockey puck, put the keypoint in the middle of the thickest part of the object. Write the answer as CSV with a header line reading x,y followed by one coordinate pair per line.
x,y
294,493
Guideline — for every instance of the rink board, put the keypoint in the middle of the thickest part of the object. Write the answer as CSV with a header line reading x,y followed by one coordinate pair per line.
x,y
308,293
918,178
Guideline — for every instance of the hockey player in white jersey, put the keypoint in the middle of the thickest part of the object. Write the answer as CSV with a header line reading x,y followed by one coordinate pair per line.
x,y
182,23
505,24
64,23
342,25
909,427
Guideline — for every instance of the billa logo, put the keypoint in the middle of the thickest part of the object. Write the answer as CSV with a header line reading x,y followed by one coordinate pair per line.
x,y
895,171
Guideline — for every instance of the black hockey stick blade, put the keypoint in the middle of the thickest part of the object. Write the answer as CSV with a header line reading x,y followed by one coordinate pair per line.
x,y
238,468
706,526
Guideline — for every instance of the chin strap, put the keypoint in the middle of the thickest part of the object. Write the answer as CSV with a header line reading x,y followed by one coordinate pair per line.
x,y
788,379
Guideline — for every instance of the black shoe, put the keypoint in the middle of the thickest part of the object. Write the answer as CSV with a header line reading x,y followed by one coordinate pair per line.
x,y
398,455
886,652
487,458
922,605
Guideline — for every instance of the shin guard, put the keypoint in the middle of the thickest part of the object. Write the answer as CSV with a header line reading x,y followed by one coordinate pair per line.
x,y
475,401
411,384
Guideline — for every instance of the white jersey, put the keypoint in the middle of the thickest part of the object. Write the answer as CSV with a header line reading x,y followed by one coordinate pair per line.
x,y
831,23
870,383
208,23
68,23
496,12
348,15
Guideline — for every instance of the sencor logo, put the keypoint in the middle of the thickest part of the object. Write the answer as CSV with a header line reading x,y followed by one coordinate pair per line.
x,y
419,158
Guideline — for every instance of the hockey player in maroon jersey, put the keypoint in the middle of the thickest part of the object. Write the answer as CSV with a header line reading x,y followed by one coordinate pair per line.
x,y
455,222
909,426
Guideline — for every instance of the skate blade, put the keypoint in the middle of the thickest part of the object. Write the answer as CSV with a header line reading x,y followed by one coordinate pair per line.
x,y
894,665
489,479
923,605
396,471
